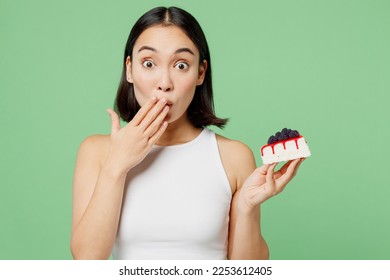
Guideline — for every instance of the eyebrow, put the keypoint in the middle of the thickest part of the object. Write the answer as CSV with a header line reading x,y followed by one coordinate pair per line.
x,y
176,52
147,48
184,50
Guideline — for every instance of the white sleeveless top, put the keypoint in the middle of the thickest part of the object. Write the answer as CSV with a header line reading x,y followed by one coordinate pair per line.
x,y
176,204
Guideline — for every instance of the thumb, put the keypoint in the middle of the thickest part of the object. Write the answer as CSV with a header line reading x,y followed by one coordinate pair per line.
x,y
115,123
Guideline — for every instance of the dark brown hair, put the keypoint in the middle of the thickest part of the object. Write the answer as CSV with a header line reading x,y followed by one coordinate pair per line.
x,y
201,110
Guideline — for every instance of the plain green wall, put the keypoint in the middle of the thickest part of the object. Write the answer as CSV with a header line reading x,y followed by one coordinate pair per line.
x,y
322,67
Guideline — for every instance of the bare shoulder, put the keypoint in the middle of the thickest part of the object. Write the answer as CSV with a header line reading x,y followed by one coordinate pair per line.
x,y
237,159
96,141
92,152
235,147
95,147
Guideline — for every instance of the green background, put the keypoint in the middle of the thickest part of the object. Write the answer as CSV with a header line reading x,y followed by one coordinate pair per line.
x,y
322,67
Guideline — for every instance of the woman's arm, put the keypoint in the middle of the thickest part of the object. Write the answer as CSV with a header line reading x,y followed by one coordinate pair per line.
x,y
245,239
254,186
97,199
101,169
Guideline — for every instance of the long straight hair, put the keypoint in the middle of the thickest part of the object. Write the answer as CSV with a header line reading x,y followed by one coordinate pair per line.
x,y
201,110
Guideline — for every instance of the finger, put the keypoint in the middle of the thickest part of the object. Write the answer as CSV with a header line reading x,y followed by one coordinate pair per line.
x,y
294,165
282,170
154,138
152,114
289,173
258,176
270,181
144,110
263,169
115,122
297,167
156,124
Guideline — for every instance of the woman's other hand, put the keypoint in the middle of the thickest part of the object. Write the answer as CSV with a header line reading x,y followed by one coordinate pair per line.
x,y
265,183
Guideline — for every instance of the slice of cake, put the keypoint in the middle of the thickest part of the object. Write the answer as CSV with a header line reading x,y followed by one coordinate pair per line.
x,y
285,145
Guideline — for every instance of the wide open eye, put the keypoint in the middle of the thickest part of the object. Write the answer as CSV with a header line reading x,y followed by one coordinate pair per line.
x,y
182,66
148,64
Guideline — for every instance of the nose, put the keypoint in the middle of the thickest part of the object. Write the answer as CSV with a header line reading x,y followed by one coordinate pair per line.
x,y
165,83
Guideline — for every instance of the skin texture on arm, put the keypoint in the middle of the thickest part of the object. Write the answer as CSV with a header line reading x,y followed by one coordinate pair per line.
x,y
245,239
97,198
262,184
101,169
251,187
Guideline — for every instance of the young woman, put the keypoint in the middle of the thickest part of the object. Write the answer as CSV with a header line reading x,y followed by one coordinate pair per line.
x,y
164,186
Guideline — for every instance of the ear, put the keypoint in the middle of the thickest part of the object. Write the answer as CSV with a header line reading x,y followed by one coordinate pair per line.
x,y
129,76
202,72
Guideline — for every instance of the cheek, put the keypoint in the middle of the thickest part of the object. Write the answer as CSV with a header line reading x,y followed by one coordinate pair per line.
x,y
188,88
142,88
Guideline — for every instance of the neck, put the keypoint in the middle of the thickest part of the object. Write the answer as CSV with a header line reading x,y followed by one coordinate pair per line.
x,y
178,132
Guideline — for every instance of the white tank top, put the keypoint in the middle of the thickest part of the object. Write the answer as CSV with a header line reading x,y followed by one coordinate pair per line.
x,y
176,204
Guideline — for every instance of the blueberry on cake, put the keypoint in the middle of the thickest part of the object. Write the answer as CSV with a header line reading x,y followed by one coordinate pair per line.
x,y
285,145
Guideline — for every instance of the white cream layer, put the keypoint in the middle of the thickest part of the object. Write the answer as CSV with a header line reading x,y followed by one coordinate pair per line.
x,y
286,152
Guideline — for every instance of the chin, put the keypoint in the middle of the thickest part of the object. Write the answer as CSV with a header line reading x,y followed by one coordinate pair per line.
x,y
170,120
173,118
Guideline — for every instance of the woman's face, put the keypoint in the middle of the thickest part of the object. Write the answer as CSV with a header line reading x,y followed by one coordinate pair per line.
x,y
165,64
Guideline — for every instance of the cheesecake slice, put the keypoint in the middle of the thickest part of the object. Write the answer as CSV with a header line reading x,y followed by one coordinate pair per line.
x,y
285,145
